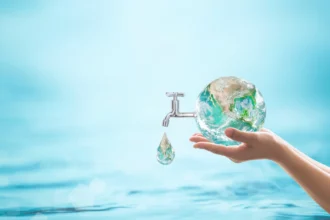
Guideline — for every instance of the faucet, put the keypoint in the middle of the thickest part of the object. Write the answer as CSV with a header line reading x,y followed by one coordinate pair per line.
x,y
175,109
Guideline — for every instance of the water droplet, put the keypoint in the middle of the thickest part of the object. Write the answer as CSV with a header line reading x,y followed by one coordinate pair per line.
x,y
165,152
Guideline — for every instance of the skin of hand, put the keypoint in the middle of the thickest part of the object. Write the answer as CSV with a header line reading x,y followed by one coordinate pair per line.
x,y
311,175
256,145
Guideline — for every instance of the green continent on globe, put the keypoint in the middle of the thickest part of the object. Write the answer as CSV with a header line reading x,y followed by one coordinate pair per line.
x,y
229,102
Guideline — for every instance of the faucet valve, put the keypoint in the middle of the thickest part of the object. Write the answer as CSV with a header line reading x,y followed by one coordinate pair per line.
x,y
175,108
175,94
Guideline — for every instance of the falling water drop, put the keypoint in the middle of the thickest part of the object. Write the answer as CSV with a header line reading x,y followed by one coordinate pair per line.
x,y
165,152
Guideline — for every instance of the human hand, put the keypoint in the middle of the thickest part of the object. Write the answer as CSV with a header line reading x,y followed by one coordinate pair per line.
x,y
263,144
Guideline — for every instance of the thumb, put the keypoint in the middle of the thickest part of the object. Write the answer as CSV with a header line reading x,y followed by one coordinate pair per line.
x,y
241,136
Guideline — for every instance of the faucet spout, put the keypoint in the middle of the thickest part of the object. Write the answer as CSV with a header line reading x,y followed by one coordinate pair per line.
x,y
166,120
175,109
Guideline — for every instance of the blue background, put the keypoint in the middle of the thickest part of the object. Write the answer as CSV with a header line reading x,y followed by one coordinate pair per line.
x,y
82,93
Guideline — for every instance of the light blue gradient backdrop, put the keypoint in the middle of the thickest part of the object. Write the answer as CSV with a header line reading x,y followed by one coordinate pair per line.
x,y
82,93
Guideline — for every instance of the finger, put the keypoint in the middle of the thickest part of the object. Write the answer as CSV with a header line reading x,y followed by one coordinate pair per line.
x,y
241,136
197,134
235,160
265,130
218,149
198,139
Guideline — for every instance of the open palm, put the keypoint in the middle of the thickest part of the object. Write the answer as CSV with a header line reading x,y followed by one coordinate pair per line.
x,y
254,145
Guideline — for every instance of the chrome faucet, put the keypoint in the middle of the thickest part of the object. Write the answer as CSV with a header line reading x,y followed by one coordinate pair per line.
x,y
175,109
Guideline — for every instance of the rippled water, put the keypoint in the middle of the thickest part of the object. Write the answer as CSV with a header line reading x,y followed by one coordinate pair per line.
x,y
65,183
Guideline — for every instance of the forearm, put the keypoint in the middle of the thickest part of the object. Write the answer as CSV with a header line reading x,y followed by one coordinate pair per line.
x,y
311,177
318,164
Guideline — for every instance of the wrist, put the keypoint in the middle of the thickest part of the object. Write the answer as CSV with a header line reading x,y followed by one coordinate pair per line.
x,y
282,151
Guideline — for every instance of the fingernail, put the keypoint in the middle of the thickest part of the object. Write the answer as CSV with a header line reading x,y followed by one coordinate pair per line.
x,y
229,132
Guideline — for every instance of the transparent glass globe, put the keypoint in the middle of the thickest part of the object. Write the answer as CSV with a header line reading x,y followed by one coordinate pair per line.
x,y
229,102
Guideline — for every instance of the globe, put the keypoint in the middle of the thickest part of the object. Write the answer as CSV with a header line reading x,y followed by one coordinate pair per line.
x,y
229,102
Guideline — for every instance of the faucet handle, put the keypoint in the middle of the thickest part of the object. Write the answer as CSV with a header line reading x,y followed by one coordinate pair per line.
x,y
175,94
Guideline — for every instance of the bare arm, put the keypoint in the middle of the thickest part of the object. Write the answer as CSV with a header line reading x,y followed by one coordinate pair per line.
x,y
316,163
308,175
311,175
